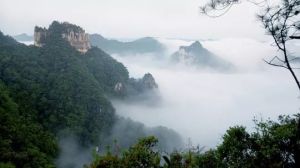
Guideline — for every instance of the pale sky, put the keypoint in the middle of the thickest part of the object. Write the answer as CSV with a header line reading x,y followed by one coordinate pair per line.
x,y
131,18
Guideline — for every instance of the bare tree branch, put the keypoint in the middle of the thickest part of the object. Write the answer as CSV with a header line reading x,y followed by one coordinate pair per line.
x,y
295,37
279,21
270,63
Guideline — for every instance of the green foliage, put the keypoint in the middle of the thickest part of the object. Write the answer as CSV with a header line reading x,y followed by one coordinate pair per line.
x,y
175,161
46,77
53,90
277,144
22,142
234,150
105,161
126,132
140,155
103,66
6,165
208,159
56,92
65,91
273,144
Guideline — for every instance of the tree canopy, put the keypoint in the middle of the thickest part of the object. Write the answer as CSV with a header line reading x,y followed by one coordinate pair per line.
x,y
273,144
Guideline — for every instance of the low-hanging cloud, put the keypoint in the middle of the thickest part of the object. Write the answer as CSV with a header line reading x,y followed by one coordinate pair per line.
x,y
201,104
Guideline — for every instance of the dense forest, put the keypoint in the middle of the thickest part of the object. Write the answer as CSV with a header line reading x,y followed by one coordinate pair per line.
x,y
165,86
54,91
272,145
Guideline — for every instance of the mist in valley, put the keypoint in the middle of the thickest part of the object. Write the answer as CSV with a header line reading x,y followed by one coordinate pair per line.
x,y
197,104
96,77
201,104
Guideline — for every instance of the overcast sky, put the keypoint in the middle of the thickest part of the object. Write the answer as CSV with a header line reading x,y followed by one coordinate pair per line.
x,y
131,18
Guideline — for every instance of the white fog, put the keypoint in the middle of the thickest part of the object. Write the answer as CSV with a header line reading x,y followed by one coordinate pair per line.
x,y
200,104
149,83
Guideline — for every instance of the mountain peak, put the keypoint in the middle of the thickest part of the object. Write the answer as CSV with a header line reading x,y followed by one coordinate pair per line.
x,y
74,34
194,47
196,44
149,81
196,54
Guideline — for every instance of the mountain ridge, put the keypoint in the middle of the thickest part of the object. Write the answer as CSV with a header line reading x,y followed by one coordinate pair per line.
x,y
61,92
139,46
196,55
23,37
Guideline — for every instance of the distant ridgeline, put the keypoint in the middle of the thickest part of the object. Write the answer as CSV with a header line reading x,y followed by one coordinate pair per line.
x,y
139,46
23,37
194,55
57,88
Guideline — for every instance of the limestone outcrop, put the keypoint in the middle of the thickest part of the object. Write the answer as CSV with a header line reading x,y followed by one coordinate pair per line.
x,y
40,35
75,35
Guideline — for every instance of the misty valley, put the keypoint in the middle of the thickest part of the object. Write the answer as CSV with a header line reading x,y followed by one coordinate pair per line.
x,y
155,94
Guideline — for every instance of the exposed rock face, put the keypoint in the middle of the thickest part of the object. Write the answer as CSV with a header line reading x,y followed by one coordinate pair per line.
x,y
75,35
119,87
40,35
79,40
136,87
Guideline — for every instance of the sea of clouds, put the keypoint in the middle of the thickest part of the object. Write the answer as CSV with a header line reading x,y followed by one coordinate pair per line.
x,y
201,104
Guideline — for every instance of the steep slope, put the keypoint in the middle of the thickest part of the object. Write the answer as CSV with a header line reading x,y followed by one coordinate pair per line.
x,y
140,46
197,55
53,92
58,86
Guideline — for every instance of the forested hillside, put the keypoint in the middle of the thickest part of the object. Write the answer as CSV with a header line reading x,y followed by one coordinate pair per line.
x,y
274,144
54,91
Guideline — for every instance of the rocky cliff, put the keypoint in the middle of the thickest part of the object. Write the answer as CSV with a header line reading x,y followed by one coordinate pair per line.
x,y
40,35
136,87
75,35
